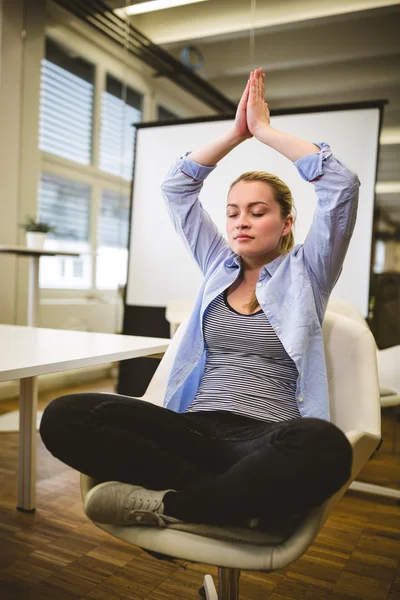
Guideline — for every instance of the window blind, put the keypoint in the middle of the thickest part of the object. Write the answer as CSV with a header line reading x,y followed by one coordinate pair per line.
x,y
113,222
121,108
65,204
66,105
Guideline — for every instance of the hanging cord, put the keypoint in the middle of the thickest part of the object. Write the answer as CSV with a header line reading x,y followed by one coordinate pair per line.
x,y
252,42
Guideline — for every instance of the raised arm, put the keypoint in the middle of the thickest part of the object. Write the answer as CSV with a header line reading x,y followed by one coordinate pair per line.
x,y
336,187
184,182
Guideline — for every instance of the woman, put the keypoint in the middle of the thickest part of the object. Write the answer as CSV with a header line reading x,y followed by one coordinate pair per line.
x,y
244,436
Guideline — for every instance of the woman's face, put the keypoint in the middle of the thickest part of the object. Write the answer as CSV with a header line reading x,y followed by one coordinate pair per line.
x,y
254,223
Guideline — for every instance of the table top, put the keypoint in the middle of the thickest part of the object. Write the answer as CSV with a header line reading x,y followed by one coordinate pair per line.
x,y
25,251
30,351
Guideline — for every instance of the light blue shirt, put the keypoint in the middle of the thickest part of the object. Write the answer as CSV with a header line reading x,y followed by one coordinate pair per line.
x,y
292,290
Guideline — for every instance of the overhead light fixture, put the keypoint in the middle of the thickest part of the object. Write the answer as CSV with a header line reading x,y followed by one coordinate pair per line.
x,y
152,5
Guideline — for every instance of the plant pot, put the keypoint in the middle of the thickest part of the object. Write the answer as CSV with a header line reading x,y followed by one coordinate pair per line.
x,y
35,240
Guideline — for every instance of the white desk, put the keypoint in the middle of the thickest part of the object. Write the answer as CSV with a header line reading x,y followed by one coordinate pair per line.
x,y
26,352
34,256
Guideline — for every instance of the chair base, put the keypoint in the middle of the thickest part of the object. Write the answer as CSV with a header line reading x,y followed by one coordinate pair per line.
x,y
228,585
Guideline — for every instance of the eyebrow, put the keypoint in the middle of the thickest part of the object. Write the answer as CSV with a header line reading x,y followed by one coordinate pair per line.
x,y
249,205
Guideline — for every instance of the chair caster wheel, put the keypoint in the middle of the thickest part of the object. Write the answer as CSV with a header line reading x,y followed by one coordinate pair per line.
x,y
202,592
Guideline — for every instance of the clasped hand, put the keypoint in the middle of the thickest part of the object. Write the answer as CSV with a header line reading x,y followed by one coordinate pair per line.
x,y
252,115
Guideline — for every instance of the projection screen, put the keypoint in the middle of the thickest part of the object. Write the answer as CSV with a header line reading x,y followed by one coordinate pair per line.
x,y
160,267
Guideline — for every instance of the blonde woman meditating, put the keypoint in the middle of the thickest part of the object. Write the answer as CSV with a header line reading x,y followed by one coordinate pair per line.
x,y
244,435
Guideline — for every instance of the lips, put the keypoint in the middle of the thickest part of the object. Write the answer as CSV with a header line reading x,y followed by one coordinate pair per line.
x,y
243,237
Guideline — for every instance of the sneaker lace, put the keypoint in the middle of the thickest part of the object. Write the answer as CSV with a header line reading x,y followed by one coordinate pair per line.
x,y
140,500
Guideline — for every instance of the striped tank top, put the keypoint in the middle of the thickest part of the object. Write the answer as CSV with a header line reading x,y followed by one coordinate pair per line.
x,y
247,369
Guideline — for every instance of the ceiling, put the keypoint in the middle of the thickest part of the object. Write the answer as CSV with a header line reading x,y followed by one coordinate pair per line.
x,y
312,52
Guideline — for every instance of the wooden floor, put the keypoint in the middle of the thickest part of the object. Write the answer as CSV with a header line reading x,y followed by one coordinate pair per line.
x,y
57,554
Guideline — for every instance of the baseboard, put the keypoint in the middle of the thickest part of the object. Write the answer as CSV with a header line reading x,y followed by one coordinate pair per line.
x,y
54,381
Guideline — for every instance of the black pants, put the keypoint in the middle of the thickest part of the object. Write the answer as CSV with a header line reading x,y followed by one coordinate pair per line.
x,y
227,469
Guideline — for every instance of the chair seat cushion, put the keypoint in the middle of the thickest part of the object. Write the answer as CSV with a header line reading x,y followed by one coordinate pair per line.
x,y
235,534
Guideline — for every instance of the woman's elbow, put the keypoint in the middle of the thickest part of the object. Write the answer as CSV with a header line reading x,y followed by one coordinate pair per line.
x,y
353,179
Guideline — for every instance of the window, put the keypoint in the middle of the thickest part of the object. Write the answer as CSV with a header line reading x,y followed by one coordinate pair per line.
x,y
66,105
85,199
121,108
163,114
112,240
65,205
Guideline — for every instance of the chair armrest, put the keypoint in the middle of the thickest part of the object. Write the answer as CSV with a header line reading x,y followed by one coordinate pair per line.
x,y
364,445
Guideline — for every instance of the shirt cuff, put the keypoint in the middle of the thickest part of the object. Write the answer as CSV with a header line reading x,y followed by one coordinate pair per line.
x,y
192,169
310,167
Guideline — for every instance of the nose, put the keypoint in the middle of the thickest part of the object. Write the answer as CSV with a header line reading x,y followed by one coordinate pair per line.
x,y
242,222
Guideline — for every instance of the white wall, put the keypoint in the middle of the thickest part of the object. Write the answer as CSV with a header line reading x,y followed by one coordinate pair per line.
x,y
1,19
10,130
84,314
29,161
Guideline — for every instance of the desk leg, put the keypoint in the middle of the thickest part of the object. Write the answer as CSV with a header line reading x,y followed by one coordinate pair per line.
x,y
26,498
33,296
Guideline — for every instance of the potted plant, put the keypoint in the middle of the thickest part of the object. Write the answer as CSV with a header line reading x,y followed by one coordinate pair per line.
x,y
36,232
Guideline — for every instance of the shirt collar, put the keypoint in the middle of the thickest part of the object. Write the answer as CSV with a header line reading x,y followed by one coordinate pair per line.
x,y
274,264
235,262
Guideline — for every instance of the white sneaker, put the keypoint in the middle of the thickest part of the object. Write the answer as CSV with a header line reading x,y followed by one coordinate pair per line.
x,y
119,503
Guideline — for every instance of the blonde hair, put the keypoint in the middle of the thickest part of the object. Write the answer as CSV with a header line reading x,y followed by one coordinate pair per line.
x,y
283,196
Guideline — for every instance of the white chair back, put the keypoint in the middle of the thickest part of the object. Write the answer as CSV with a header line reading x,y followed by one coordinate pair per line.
x,y
350,354
346,309
388,359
